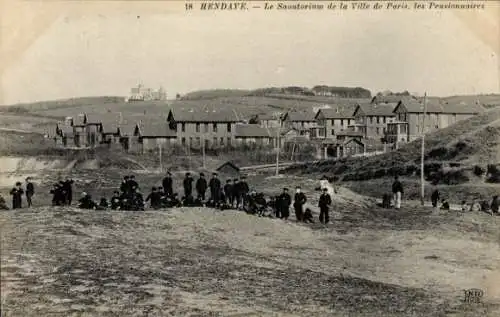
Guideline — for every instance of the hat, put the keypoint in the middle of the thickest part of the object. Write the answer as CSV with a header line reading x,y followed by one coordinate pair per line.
x,y
285,188
201,174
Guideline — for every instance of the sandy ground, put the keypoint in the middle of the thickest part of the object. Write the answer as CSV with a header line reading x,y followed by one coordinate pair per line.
x,y
200,262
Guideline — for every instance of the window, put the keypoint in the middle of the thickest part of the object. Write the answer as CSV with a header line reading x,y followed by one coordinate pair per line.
x,y
383,120
228,140
215,141
198,127
378,119
190,141
215,127
229,127
378,130
341,122
303,123
183,141
198,141
333,121
222,141
183,127
333,132
371,119
206,128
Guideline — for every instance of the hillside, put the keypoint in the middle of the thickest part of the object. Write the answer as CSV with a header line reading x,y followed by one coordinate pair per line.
x,y
464,154
198,262
61,103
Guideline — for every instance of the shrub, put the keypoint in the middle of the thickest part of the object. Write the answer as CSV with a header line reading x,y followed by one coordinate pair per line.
x,y
478,171
341,169
411,169
380,173
455,164
396,170
439,152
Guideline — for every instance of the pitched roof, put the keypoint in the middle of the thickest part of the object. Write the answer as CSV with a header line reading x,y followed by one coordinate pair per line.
x,y
127,128
93,118
299,116
433,106
338,112
155,128
390,99
66,131
268,116
417,106
229,163
382,109
109,127
461,107
254,131
206,116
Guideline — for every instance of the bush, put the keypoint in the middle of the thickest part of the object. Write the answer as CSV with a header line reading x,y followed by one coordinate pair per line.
x,y
341,169
411,169
455,164
396,170
437,153
380,173
478,171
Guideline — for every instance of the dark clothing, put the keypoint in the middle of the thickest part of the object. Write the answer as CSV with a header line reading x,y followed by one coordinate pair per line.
x,y
104,203
228,193
308,216
3,204
124,187
68,191
115,202
168,186
188,186
30,191
215,190
17,197
137,202
435,198
495,205
132,185
285,200
86,203
324,202
201,188
445,206
397,187
299,201
244,190
155,198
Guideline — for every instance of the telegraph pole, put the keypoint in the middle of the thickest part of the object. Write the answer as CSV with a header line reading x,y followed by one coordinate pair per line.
x,y
422,184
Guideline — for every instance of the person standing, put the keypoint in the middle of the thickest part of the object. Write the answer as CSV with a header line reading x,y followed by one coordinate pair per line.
x,y
299,200
155,198
494,205
397,191
124,187
67,188
285,201
435,197
324,204
201,187
188,185
168,185
228,192
236,193
30,191
17,196
244,190
215,189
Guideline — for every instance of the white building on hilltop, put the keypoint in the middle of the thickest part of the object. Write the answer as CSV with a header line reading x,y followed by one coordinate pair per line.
x,y
141,93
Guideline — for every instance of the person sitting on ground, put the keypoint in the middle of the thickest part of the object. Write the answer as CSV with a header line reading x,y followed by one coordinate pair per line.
x,y
485,206
198,202
174,201
386,201
494,205
86,202
3,204
115,201
475,206
155,198
104,203
464,206
187,201
308,216
138,200
445,205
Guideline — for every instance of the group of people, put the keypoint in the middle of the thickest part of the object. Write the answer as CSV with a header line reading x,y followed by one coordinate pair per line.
x,y
17,194
235,194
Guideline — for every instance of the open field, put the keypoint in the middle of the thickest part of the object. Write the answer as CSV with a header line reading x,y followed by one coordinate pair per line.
x,y
197,262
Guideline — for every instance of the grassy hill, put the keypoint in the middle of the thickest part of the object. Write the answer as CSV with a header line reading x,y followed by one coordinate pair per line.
x,y
463,158
198,262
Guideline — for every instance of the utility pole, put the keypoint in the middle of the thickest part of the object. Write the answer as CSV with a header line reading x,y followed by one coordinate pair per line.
x,y
422,184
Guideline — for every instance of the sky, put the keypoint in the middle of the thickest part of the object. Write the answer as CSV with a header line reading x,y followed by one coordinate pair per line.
x,y
96,53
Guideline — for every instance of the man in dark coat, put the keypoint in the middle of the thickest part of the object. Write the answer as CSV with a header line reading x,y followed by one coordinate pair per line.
x,y
86,202
168,185
244,190
155,198
228,192
236,193
397,190
324,203
132,183
67,188
494,205
30,191
124,187
215,189
137,200
201,187
285,200
299,201
435,197
188,185
17,196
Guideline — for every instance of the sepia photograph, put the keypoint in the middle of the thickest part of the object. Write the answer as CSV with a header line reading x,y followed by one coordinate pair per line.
x,y
249,158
